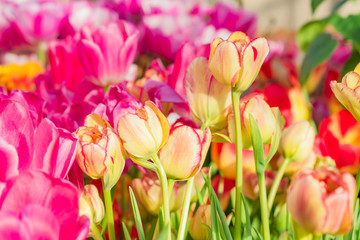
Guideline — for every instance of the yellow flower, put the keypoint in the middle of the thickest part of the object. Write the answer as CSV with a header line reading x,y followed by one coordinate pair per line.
x,y
237,61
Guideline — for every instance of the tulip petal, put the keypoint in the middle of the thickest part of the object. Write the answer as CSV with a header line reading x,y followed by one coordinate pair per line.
x,y
9,161
158,124
252,60
347,97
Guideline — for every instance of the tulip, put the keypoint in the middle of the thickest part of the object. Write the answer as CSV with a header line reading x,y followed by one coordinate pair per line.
x,y
209,100
322,200
184,152
144,132
100,153
200,224
108,52
264,116
347,92
297,141
91,205
236,61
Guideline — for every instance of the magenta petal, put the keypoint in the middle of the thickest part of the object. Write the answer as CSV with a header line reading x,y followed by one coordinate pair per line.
x,y
11,227
17,129
9,161
40,222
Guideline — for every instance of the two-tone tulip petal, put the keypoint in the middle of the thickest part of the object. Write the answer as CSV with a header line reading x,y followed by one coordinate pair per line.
x,y
322,200
91,205
348,91
100,153
208,99
184,153
237,61
144,132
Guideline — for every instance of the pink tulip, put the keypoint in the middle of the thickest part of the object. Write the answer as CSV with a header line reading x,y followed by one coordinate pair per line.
x,y
184,152
322,200
34,205
63,60
108,52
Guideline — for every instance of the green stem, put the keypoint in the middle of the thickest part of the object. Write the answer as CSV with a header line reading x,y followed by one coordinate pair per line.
x,y
165,192
235,98
95,232
109,211
41,53
171,183
276,182
316,237
264,207
185,209
357,183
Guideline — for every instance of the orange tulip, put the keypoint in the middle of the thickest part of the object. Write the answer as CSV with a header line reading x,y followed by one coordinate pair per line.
x,y
144,132
237,61
348,92
201,219
100,153
322,200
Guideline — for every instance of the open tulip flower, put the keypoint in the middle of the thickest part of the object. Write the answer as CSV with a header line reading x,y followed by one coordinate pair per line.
x,y
100,153
322,200
348,91
236,61
184,153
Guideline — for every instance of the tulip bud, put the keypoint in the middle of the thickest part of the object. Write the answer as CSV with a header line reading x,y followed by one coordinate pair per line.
x,y
91,205
201,219
322,200
264,117
184,153
209,100
237,61
100,152
348,92
297,141
144,132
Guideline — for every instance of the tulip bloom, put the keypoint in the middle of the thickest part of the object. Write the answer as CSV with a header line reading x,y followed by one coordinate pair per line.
x,y
184,152
264,117
297,141
209,100
202,217
107,53
144,132
236,61
100,153
91,205
348,91
322,200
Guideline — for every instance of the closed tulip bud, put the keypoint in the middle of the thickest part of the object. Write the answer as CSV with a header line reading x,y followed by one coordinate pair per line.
x,y
348,92
91,205
209,100
264,117
100,152
200,224
184,153
322,200
237,61
297,141
144,132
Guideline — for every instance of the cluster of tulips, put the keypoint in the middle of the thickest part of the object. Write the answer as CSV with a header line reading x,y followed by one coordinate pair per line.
x,y
137,119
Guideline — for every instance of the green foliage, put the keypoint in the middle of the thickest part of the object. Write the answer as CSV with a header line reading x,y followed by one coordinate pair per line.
x,y
309,32
348,27
137,217
315,4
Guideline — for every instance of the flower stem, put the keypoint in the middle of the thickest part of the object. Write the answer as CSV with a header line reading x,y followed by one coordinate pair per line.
x,y
185,209
165,192
276,182
264,207
109,211
95,232
235,98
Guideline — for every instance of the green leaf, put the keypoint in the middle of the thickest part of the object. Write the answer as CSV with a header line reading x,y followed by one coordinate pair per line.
x,y
315,4
275,139
247,232
257,144
348,26
151,231
338,6
319,50
161,219
350,64
308,32
215,233
257,233
137,217
163,233
126,232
